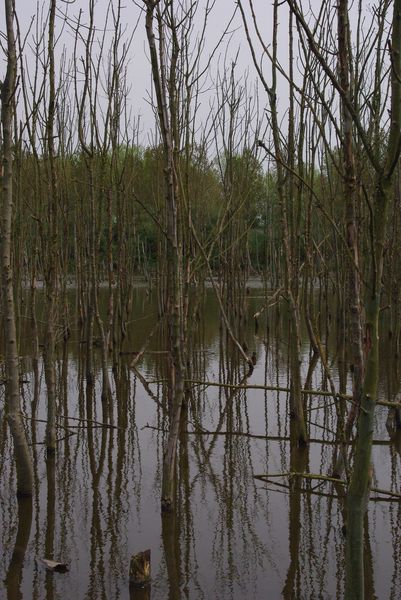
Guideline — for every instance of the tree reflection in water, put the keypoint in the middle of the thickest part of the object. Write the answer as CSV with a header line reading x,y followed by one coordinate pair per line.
x,y
97,501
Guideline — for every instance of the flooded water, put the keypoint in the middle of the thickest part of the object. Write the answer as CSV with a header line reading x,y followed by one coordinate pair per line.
x,y
232,537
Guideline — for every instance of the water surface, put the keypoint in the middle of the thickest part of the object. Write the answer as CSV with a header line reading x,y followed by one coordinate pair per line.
x,y
232,537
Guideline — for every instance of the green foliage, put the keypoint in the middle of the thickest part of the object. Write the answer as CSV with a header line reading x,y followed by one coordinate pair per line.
x,y
128,186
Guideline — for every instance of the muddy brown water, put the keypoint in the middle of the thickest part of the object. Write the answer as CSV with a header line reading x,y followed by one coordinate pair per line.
x,y
232,536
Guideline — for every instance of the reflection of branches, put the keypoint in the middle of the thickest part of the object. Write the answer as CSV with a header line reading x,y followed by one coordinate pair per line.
x,y
146,387
97,550
145,345
232,488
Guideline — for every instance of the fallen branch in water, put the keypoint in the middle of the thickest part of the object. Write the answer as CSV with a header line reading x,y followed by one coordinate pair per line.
x,y
97,423
271,301
142,351
274,388
269,476
91,422
268,438
146,387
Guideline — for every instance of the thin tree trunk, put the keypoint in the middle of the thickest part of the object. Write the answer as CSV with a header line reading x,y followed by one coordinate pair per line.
x,y
358,492
13,409
52,258
167,111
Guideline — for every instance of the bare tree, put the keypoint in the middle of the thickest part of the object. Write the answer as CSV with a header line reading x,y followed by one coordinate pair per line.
x,y
383,162
165,81
285,157
14,416
52,262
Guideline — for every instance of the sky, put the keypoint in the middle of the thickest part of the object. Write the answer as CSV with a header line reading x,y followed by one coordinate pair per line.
x,y
234,46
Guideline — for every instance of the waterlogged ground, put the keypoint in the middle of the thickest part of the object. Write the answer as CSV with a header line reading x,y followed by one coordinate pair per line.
x,y
232,536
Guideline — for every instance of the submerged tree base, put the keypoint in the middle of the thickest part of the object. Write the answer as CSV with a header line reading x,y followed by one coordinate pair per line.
x,y
139,569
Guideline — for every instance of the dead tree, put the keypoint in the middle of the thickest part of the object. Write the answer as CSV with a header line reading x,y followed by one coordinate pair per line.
x,y
284,157
51,269
164,81
382,160
21,450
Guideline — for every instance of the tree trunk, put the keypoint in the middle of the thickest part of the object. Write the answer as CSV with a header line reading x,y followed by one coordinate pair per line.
x,y
13,409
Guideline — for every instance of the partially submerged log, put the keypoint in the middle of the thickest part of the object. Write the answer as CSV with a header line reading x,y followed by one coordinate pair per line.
x,y
55,566
139,569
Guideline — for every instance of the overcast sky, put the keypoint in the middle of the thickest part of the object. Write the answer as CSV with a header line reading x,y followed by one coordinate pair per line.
x,y
138,74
